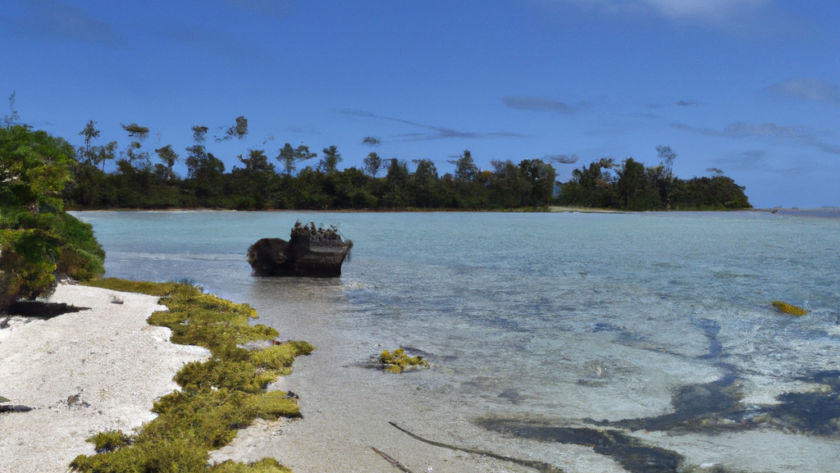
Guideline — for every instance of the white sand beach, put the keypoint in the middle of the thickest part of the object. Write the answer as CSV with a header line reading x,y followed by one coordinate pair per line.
x,y
83,373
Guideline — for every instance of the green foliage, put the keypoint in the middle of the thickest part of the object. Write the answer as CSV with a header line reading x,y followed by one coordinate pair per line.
x,y
632,186
36,236
256,184
169,157
465,168
78,255
218,396
135,131
373,164
329,163
398,361
34,168
13,118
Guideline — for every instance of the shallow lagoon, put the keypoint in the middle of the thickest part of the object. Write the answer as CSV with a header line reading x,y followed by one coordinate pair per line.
x,y
544,331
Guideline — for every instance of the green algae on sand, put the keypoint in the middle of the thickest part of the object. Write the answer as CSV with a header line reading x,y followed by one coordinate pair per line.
x,y
398,361
218,396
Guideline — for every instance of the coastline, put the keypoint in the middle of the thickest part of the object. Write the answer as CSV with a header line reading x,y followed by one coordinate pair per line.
x,y
549,209
83,373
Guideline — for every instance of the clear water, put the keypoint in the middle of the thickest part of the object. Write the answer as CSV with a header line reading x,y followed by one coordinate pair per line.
x,y
556,317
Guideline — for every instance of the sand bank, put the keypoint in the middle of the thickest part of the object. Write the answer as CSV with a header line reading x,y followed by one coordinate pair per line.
x,y
85,372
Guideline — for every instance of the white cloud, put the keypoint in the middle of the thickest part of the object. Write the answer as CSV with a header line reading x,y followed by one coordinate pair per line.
x,y
714,11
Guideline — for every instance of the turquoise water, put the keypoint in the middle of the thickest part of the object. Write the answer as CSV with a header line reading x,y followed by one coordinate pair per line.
x,y
567,318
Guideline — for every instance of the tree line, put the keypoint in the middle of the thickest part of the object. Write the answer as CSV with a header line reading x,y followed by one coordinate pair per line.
x,y
631,185
264,180
259,181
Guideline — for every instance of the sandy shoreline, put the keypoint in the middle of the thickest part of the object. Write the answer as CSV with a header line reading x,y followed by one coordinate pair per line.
x,y
84,372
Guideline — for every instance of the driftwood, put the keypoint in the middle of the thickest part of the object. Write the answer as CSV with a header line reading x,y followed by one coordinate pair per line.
x,y
542,467
391,460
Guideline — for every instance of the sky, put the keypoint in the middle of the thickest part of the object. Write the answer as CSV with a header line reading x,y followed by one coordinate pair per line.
x,y
746,86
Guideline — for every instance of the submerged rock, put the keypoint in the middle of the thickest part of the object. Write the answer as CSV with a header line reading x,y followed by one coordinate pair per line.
x,y
310,251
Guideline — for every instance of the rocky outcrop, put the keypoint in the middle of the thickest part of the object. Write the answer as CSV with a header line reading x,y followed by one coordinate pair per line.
x,y
310,251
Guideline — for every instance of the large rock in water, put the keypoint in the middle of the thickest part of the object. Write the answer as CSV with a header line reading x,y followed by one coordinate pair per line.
x,y
309,252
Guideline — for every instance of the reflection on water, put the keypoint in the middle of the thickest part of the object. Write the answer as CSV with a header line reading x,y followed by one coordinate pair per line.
x,y
641,321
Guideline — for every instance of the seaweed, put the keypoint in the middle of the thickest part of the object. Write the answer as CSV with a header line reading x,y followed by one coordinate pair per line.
x,y
109,441
786,308
218,396
398,361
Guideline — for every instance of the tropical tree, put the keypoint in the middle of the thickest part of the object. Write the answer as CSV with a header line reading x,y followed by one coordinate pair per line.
x,y
373,164
590,186
238,130
330,160
667,157
424,184
90,133
289,157
13,118
169,157
36,236
134,154
465,168
539,177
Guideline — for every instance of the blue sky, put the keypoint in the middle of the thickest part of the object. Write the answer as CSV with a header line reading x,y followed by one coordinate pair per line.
x,y
747,86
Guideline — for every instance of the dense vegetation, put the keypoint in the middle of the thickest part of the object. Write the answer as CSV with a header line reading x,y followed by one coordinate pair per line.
x,y
262,182
632,186
37,238
217,396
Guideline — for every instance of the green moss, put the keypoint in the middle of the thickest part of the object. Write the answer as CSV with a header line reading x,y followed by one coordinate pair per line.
x,y
789,309
143,287
266,465
218,396
109,441
398,361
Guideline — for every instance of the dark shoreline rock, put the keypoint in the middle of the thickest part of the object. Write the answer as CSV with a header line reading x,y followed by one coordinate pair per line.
x,y
310,252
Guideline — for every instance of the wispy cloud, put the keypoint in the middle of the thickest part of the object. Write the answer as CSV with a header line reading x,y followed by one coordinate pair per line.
x,y
707,10
541,104
765,130
303,130
231,47
754,160
739,17
271,8
433,132
53,19
814,90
